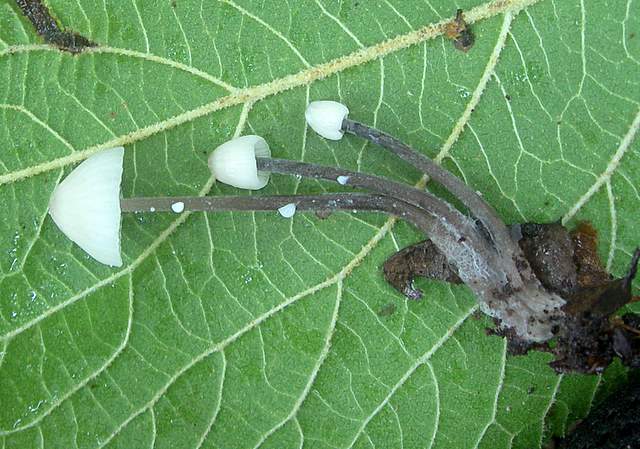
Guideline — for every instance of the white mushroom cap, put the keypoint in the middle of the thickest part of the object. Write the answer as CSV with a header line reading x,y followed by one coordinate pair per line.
x,y
234,162
325,118
86,206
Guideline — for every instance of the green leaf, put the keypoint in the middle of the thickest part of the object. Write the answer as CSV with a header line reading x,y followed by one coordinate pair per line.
x,y
243,330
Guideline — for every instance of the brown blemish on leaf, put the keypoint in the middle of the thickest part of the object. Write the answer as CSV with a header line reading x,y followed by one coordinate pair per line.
x,y
323,214
387,310
591,272
549,250
460,33
47,27
422,259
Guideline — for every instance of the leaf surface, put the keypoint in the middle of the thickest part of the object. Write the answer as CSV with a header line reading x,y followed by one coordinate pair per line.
x,y
244,330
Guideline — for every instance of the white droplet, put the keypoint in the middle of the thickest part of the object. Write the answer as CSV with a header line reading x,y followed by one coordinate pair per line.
x,y
288,210
152,209
343,180
177,207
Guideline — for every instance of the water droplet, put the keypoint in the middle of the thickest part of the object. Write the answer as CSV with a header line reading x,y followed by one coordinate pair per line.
x,y
288,210
34,408
464,93
343,180
178,207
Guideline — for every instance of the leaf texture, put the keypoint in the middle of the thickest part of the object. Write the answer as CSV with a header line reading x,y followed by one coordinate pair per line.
x,y
246,330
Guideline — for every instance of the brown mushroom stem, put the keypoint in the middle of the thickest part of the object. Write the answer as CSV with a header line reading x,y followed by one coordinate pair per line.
x,y
512,260
458,225
352,202
527,307
478,207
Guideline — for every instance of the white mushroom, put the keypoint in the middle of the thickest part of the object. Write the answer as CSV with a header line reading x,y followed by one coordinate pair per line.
x,y
234,162
86,206
325,118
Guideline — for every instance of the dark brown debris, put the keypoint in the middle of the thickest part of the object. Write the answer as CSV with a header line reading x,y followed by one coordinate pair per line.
x,y
612,424
423,259
460,33
566,263
47,27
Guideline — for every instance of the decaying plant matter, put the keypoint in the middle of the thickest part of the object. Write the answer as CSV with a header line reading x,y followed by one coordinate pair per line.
x,y
460,32
540,282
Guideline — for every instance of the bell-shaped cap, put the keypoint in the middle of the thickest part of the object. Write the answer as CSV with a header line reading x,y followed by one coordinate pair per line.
x,y
86,206
325,118
234,162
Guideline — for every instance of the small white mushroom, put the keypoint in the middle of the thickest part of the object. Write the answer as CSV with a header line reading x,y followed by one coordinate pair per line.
x,y
86,206
234,162
178,207
325,118
288,210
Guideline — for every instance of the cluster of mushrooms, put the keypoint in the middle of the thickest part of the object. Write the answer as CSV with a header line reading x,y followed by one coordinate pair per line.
x,y
543,285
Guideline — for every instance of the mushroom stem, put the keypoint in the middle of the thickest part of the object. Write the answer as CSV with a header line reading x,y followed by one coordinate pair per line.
x,y
316,203
478,207
455,234
491,223
430,204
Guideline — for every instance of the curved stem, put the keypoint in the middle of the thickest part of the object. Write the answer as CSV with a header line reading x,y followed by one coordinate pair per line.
x,y
477,206
316,203
430,204
513,262
455,235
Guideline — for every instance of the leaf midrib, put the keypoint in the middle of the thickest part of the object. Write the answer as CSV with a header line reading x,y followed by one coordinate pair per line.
x,y
632,131
261,91
338,278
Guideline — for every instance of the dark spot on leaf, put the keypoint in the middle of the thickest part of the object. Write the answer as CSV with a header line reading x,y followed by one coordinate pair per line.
x,y
460,33
613,424
323,214
48,28
387,310
422,259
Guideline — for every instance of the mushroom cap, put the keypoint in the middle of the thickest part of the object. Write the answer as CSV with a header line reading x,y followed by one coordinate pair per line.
x,y
234,162
86,206
325,118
